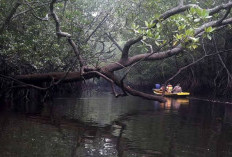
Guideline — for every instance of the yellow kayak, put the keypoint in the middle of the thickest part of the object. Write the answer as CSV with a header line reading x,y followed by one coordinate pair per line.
x,y
160,92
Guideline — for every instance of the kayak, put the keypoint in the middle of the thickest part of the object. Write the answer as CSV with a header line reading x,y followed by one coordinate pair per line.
x,y
160,92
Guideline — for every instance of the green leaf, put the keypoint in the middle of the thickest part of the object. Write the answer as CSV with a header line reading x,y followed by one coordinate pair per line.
x,y
192,10
134,26
209,37
149,33
189,32
208,17
181,27
209,29
152,24
140,31
205,13
157,36
156,16
146,23
175,43
178,36
157,43
194,39
197,20
194,46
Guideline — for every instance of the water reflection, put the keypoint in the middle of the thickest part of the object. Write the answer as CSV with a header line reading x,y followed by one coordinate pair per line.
x,y
172,103
101,125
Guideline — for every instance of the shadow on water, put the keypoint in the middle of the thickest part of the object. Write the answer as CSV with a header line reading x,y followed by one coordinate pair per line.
x,y
98,124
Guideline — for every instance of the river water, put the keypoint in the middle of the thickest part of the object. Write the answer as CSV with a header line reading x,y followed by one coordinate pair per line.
x,y
100,125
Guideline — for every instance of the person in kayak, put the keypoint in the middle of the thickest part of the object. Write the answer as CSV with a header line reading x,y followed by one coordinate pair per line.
x,y
177,89
169,88
162,88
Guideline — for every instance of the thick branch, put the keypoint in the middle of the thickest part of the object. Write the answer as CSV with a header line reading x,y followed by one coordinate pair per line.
x,y
220,7
225,16
56,76
145,56
213,24
127,46
174,11
144,95
133,91
64,34
164,54
57,21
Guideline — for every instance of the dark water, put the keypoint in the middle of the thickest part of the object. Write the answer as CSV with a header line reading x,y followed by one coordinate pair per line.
x,y
99,125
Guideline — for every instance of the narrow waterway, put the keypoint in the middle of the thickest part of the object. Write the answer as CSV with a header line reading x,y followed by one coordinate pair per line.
x,y
100,125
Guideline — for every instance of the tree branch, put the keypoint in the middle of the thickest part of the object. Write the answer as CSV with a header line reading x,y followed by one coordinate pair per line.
x,y
98,26
167,14
115,43
64,34
220,7
28,10
132,91
225,16
191,64
34,14
127,46
221,60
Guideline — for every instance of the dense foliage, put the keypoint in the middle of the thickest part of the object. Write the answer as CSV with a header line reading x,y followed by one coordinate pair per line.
x,y
100,28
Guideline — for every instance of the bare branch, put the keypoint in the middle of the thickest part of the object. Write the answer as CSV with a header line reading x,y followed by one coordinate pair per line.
x,y
98,26
191,64
28,10
221,60
106,78
65,4
24,84
34,14
115,43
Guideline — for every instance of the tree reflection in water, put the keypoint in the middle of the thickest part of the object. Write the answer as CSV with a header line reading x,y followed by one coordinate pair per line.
x,y
106,126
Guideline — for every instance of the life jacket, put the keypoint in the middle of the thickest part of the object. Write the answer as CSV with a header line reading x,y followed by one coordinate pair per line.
x,y
169,88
